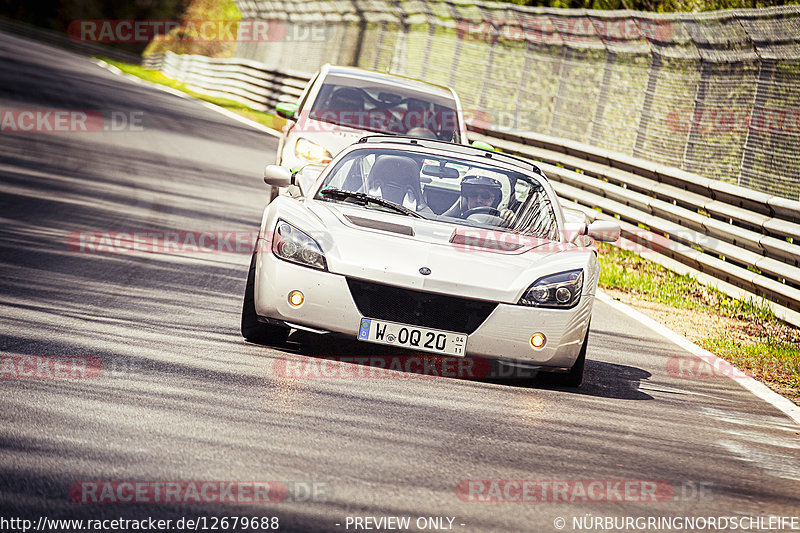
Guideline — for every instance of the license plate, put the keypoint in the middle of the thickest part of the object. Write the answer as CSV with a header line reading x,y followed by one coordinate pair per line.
x,y
414,337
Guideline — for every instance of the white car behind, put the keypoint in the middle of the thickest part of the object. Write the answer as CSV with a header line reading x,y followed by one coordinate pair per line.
x,y
342,104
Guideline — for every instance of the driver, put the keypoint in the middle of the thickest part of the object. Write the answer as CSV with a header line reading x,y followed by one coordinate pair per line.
x,y
477,192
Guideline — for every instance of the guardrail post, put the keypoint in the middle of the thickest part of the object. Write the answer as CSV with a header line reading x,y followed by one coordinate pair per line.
x,y
518,104
602,100
647,105
429,43
451,79
379,45
362,29
346,51
566,56
688,161
755,137
487,70
397,63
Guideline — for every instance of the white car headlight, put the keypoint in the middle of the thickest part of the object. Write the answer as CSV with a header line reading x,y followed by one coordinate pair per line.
x,y
311,151
562,290
296,246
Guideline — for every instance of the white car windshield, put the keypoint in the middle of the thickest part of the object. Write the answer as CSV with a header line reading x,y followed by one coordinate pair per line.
x,y
443,188
386,108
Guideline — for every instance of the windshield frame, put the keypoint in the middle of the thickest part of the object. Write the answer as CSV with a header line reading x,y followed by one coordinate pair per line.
x,y
535,178
437,96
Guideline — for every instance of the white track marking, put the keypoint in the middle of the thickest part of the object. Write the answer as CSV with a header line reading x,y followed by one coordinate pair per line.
x,y
759,389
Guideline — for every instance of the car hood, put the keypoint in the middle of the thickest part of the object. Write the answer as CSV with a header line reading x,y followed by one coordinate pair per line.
x,y
395,250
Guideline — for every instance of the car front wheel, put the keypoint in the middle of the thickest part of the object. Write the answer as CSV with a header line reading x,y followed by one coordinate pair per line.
x,y
252,329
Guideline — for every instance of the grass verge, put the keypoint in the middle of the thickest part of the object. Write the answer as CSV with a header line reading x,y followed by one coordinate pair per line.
x,y
271,121
744,333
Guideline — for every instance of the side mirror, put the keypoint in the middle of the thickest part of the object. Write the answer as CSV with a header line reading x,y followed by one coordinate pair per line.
x,y
483,146
277,176
307,176
573,230
604,231
575,216
286,109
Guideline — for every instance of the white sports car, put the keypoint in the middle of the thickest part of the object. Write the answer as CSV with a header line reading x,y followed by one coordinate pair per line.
x,y
430,246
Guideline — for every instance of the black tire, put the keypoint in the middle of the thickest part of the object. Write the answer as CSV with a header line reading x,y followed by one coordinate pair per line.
x,y
252,329
574,377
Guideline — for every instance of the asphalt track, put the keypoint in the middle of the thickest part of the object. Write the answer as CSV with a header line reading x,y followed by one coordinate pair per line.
x,y
183,398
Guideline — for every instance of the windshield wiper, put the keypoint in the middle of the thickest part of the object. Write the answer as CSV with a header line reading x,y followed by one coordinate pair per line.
x,y
364,199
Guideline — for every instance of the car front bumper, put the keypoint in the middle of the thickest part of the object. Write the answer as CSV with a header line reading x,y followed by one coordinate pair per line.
x,y
505,334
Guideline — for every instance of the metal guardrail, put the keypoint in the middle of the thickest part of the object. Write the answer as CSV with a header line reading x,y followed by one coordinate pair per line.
x,y
241,80
745,238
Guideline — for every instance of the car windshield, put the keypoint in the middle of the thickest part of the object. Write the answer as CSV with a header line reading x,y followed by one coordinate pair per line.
x,y
443,188
383,107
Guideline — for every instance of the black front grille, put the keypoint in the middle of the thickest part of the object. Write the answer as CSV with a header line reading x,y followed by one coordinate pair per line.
x,y
418,308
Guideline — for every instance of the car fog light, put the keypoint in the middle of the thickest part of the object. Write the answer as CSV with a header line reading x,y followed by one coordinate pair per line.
x,y
538,340
296,298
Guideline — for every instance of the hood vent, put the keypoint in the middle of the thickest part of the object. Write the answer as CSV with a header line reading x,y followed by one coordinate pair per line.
x,y
381,225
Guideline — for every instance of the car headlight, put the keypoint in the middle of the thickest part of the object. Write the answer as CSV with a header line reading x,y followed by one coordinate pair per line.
x,y
296,246
562,290
311,151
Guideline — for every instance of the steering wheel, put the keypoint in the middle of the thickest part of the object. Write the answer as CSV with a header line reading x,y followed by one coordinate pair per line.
x,y
482,209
